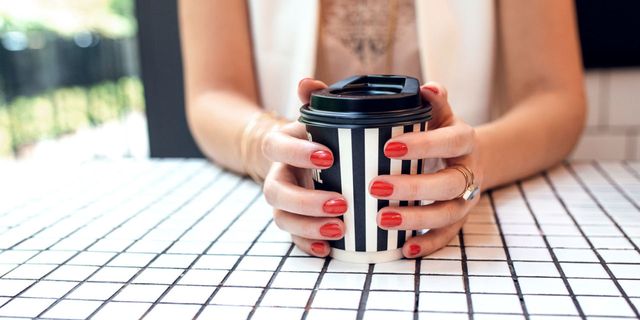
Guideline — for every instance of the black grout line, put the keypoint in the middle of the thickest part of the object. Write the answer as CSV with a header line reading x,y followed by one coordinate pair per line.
x,y
416,284
512,270
365,293
70,258
268,286
552,253
595,251
316,287
631,170
465,274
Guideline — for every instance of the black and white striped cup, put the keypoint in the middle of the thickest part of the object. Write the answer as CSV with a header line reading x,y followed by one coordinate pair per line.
x,y
354,118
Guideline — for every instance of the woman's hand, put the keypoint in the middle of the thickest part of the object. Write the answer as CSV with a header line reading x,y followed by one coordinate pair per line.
x,y
449,138
309,215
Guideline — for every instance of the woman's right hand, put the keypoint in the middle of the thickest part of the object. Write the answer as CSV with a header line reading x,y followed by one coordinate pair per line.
x,y
310,216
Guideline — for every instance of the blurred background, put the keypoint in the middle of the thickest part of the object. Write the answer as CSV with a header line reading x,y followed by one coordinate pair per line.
x,y
102,79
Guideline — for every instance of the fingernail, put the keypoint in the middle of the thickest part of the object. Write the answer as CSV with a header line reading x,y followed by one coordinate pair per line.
x,y
390,219
321,158
395,149
303,79
433,89
381,189
335,206
414,249
330,230
317,248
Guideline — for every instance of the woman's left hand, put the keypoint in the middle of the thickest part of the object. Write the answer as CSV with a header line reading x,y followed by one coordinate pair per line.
x,y
449,138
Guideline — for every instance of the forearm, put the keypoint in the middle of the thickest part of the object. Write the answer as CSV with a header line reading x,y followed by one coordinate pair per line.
x,y
538,132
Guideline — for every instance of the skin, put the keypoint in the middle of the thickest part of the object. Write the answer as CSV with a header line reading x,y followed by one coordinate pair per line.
x,y
540,62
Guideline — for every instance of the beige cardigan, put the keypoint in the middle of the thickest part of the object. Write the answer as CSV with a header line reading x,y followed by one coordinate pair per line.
x,y
456,41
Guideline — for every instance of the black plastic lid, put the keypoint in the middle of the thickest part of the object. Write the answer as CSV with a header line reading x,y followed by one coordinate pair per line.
x,y
367,101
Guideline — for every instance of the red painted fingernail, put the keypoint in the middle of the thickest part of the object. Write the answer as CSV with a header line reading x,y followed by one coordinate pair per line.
x,y
335,206
322,158
414,249
381,189
390,219
433,89
330,230
317,248
395,149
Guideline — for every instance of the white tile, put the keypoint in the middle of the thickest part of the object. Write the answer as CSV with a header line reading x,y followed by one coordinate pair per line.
x,y
16,256
491,285
567,242
624,94
259,263
158,276
575,255
383,315
150,246
237,296
447,253
546,269
122,310
30,271
285,298
496,303
269,313
473,240
140,293
298,280
583,270
203,277
172,311
72,273
605,306
398,266
441,267
593,93
216,262
336,299
25,307
114,274
341,266
72,309
489,316
173,261
303,264
323,314
488,268
542,286
610,243
94,291
620,256
342,281
441,283
249,278
188,294
631,287
602,146
90,258
49,289
625,271
226,312
446,302
229,248
52,257
556,305
604,287
485,253
11,287
442,316
391,300
530,254
392,282
524,241
269,249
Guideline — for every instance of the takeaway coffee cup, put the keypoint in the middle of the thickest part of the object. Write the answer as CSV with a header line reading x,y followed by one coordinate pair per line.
x,y
354,118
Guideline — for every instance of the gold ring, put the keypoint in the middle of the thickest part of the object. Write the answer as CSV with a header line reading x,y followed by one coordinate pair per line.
x,y
470,188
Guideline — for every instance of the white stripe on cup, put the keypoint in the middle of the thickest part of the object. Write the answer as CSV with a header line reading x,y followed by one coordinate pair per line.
x,y
413,170
396,168
370,172
346,181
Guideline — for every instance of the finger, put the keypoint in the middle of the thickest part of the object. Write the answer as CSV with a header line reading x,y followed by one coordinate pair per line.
x,y
318,248
432,241
437,95
444,184
446,142
436,215
306,86
281,147
309,227
282,191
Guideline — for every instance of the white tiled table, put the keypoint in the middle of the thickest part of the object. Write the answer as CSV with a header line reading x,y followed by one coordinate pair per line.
x,y
177,239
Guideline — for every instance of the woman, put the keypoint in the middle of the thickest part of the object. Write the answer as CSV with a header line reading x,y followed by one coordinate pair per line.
x,y
514,103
